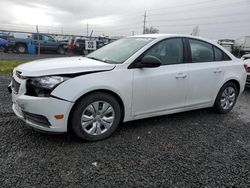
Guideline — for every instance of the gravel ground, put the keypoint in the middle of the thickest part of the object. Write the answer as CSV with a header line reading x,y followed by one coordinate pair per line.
x,y
191,149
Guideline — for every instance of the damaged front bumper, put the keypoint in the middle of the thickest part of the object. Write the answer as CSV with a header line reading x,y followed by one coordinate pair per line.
x,y
39,112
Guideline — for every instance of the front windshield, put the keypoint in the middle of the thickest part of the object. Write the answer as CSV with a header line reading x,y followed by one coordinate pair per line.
x,y
120,50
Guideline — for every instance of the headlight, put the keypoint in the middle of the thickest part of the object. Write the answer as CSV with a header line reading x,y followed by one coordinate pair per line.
x,y
48,82
43,86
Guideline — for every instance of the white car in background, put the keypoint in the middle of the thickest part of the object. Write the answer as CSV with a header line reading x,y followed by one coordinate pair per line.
x,y
246,59
132,78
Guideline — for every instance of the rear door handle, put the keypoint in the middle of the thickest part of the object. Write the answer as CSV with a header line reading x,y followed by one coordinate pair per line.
x,y
217,70
181,75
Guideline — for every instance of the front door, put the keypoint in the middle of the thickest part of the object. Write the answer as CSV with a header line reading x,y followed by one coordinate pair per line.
x,y
164,88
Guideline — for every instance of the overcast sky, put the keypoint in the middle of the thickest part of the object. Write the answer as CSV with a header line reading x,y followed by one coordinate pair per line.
x,y
215,18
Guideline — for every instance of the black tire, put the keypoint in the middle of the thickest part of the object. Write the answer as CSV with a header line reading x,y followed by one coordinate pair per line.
x,y
21,48
81,106
218,104
61,50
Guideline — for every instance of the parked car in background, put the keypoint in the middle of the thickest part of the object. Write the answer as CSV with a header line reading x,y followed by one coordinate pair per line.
x,y
132,78
84,45
246,59
228,44
242,46
3,44
6,35
47,43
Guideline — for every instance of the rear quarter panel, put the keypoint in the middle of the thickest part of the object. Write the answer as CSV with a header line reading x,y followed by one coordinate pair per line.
x,y
232,70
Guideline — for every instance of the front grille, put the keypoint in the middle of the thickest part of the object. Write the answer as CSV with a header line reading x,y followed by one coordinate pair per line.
x,y
248,69
37,119
15,85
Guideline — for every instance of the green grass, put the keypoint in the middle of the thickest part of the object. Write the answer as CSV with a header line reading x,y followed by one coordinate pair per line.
x,y
6,66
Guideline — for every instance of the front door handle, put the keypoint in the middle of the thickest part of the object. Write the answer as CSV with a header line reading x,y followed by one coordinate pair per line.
x,y
218,70
181,75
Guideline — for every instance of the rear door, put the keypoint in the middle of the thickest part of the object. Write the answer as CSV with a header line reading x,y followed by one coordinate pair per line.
x,y
206,70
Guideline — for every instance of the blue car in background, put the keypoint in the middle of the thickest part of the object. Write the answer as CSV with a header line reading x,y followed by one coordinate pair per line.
x,y
4,45
3,42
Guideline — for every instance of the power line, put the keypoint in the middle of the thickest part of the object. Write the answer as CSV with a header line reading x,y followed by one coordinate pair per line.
x,y
212,23
182,5
198,17
207,7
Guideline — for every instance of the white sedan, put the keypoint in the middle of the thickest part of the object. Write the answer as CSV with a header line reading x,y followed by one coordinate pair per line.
x,y
246,59
133,78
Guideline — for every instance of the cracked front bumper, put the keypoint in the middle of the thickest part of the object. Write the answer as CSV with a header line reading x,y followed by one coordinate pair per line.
x,y
41,109
39,112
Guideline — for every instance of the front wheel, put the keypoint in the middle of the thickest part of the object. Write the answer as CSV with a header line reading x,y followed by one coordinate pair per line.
x,y
226,98
96,116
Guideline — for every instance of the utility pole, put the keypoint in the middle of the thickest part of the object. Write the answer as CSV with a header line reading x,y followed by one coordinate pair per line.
x,y
38,40
144,22
87,29
62,29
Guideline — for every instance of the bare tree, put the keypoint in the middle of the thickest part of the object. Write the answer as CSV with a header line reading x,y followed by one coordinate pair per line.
x,y
151,30
196,31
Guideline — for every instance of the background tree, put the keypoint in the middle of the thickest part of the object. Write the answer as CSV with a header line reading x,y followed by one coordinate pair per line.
x,y
150,30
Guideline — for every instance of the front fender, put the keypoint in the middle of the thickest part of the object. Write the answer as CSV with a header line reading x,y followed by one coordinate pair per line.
x,y
116,81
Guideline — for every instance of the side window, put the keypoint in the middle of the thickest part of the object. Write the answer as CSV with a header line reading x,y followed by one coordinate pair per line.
x,y
47,38
201,51
169,51
36,37
220,55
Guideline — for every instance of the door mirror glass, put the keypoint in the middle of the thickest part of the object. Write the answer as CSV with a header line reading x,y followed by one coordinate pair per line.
x,y
149,61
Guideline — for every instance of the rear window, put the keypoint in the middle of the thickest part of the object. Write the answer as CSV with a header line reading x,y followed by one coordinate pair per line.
x,y
219,55
205,52
201,51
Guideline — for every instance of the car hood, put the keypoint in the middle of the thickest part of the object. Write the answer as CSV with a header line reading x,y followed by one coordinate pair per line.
x,y
59,66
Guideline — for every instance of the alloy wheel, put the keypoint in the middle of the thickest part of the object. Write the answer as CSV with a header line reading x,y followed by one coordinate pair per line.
x,y
228,98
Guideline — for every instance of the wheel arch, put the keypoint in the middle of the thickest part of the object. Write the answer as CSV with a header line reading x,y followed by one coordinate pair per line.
x,y
22,43
236,82
233,80
112,93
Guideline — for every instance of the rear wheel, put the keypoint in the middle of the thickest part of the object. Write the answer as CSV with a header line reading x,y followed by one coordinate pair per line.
x,y
21,48
226,98
96,116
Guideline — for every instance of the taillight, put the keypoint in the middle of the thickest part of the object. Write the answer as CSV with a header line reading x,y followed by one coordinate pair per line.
x,y
246,67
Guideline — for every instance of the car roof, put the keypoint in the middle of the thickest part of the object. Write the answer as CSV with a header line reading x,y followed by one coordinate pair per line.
x,y
165,35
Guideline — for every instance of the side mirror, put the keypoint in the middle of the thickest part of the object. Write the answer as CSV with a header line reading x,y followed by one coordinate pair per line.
x,y
149,61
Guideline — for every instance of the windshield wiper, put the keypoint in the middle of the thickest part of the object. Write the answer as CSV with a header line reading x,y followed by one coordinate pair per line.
x,y
103,60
